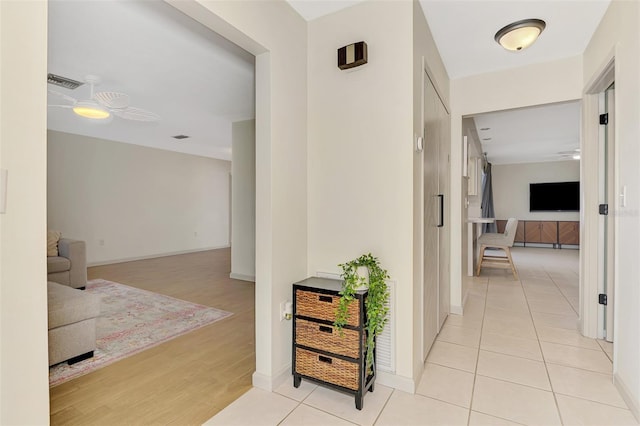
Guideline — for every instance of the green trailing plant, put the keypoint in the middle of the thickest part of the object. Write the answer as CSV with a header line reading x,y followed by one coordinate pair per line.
x,y
375,303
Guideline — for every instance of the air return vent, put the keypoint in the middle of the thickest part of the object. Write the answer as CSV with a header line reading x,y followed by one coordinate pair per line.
x,y
386,341
179,137
67,83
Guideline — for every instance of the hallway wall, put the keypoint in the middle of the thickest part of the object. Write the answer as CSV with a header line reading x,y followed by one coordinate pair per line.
x,y
618,36
359,168
549,82
243,200
24,384
511,188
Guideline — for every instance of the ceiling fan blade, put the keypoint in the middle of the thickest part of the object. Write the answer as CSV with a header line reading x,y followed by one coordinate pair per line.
x,y
137,114
113,100
61,106
63,96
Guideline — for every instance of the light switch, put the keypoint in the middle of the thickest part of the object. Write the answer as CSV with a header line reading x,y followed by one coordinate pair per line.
x,y
3,190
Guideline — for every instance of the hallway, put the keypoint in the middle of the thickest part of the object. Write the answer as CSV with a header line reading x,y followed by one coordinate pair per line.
x,y
515,357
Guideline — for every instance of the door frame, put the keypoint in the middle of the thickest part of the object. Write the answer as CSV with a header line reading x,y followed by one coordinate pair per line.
x,y
606,241
590,238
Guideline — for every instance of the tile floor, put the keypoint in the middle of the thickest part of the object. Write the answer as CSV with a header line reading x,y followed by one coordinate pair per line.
x,y
515,357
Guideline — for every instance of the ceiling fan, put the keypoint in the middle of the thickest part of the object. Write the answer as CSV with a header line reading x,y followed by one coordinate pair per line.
x,y
100,105
575,154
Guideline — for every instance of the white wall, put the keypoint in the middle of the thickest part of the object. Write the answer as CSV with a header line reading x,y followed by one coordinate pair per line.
x,y
277,35
243,200
471,204
24,384
281,145
360,150
475,151
128,201
550,82
511,188
618,35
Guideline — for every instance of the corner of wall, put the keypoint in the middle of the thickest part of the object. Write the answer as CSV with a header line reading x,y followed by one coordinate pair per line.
x,y
627,395
401,383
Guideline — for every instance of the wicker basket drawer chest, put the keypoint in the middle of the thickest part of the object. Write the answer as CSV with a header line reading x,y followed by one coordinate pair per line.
x,y
320,352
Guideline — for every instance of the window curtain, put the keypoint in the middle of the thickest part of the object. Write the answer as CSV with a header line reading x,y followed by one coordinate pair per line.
x,y
487,200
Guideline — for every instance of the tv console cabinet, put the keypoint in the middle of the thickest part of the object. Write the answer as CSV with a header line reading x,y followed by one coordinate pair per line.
x,y
551,232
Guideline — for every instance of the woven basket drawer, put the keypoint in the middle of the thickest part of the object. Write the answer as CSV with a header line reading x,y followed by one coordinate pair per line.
x,y
327,369
323,306
327,338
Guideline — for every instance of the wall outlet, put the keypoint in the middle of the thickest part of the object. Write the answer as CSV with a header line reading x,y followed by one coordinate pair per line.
x,y
100,242
286,310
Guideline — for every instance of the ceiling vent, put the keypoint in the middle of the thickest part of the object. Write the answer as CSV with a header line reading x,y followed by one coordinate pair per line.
x,y
179,137
67,83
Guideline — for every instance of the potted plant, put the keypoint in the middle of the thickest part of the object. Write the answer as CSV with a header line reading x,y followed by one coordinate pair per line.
x,y
365,271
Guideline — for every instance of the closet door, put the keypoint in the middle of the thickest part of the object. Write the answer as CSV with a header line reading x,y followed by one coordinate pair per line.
x,y
444,142
431,219
436,293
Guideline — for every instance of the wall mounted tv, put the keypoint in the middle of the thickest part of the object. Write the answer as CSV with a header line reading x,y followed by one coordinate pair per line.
x,y
554,197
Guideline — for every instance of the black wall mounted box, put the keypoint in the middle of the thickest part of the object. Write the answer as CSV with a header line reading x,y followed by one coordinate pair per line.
x,y
352,55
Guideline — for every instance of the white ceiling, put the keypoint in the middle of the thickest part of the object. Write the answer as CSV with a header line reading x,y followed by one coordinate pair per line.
x,y
464,34
530,135
199,83
312,9
464,31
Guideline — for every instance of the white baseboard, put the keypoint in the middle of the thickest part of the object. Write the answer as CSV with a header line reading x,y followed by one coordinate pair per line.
x,y
242,277
261,381
404,384
456,310
632,403
270,383
153,256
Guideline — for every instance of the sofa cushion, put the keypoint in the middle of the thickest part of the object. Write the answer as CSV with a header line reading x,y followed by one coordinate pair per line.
x,y
68,305
52,242
58,264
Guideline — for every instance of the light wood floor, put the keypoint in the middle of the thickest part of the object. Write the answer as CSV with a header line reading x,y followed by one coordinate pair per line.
x,y
185,380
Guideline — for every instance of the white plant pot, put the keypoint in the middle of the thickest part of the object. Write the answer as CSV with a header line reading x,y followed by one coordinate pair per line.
x,y
363,271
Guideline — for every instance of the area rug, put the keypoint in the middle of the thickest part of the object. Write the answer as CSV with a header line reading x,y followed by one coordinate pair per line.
x,y
132,320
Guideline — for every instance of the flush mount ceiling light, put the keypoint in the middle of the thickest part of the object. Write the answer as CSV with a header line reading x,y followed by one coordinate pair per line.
x,y
520,35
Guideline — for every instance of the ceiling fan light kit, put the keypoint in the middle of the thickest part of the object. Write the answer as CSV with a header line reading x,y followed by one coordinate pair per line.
x,y
519,35
101,106
91,110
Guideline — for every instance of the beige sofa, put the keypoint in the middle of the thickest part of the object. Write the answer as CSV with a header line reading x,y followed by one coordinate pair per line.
x,y
70,266
72,323
72,313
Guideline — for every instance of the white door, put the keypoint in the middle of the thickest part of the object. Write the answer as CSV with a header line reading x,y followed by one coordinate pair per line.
x,y
436,241
431,219
607,197
444,293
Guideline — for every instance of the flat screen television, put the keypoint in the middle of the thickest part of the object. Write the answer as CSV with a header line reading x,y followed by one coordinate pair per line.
x,y
554,197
